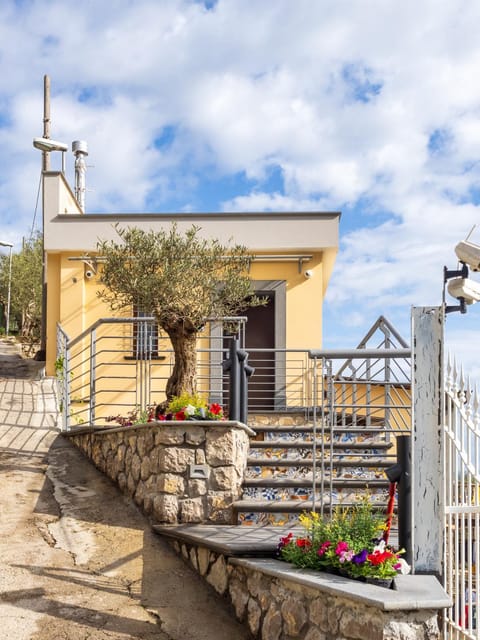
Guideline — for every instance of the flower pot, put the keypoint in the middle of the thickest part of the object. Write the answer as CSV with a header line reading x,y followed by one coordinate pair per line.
x,y
386,583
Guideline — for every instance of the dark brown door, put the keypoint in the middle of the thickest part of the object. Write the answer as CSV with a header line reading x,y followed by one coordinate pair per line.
x,y
260,335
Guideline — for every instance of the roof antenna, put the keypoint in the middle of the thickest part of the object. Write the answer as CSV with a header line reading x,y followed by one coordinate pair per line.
x,y
80,151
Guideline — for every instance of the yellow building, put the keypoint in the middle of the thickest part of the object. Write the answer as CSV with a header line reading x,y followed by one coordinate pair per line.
x,y
294,258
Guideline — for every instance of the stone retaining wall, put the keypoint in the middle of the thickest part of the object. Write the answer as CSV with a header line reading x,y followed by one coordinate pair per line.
x,y
278,602
178,472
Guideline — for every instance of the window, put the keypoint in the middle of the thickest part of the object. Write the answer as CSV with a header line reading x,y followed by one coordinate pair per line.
x,y
145,336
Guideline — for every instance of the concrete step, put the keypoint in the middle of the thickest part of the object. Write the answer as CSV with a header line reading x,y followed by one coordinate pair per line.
x,y
308,462
290,506
308,444
262,428
299,483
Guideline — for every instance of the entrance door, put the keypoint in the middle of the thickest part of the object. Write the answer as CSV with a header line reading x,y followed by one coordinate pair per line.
x,y
260,344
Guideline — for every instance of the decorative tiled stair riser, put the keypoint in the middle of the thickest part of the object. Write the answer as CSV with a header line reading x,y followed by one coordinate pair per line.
x,y
279,475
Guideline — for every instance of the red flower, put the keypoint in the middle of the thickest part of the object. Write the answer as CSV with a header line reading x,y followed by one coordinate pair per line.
x,y
303,543
216,409
180,415
286,540
379,557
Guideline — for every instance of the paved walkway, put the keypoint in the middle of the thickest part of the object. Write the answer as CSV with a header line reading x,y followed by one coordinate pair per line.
x,y
78,561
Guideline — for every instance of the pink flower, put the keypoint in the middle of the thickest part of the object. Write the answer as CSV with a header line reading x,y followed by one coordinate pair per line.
x,y
324,548
341,548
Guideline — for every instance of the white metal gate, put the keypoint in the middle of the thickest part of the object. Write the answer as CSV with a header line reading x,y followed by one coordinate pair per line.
x,y
462,504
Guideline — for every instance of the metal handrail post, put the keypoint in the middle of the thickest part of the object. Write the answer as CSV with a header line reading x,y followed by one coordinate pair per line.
x,y
314,447
93,348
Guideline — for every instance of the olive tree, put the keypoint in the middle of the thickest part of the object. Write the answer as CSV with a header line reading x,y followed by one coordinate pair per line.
x,y
25,290
181,279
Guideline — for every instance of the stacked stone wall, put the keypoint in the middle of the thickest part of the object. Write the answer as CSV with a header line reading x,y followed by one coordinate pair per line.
x,y
157,465
276,608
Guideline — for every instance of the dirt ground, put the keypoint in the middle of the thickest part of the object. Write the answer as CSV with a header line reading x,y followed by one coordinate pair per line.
x,y
78,561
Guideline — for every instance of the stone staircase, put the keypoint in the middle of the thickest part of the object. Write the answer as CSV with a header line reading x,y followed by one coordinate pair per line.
x,y
278,481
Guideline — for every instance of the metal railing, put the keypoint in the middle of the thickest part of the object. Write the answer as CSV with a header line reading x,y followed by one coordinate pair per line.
x,y
120,366
372,404
462,504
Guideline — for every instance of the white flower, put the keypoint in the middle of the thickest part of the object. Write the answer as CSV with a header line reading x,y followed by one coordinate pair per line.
x,y
402,567
190,410
380,547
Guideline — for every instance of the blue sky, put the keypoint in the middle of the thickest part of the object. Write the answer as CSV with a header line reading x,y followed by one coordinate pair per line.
x,y
366,107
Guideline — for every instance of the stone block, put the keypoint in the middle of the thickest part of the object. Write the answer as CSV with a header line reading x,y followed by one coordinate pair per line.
x,y
128,458
106,446
192,510
132,440
200,457
315,634
203,555
254,615
196,488
139,495
294,615
135,467
169,436
145,468
239,597
145,440
175,459
219,507
165,508
220,447
318,612
217,576
226,479
272,624
131,485
193,558
194,435
170,483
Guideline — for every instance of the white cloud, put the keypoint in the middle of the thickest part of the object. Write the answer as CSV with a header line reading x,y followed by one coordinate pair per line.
x,y
369,108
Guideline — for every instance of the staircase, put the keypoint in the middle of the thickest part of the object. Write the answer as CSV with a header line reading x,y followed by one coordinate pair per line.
x,y
278,481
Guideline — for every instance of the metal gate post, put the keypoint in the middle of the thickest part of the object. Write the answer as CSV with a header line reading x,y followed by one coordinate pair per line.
x,y
427,446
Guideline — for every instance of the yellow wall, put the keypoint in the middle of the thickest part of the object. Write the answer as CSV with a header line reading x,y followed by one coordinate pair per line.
x,y
73,301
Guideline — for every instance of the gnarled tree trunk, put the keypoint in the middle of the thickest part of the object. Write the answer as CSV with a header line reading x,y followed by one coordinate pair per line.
x,y
183,378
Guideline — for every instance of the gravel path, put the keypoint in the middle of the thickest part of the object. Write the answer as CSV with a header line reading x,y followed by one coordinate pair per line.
x,y
78,561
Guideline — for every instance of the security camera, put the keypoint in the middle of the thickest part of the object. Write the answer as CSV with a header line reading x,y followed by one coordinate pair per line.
x,y
469,253
89,274
308,273
464,288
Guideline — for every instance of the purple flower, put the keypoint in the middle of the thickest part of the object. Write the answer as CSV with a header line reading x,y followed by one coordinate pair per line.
x,y
359,558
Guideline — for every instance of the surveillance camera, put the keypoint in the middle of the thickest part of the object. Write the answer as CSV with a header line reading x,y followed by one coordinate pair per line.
x,y
469,253
89,274
308,273
464,288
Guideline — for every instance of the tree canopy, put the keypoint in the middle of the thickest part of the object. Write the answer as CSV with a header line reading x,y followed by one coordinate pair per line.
x,y
26,289
182,279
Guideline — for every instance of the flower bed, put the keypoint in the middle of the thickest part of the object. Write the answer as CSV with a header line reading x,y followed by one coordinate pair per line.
x,y
353,543
179,409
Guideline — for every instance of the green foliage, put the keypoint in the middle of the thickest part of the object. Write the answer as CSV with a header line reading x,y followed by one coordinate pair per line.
x,y
180,402
182,279
26,288
350,542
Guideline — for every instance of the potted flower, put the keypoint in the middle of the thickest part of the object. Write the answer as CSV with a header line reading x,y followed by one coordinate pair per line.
x,y
350,543
189,407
